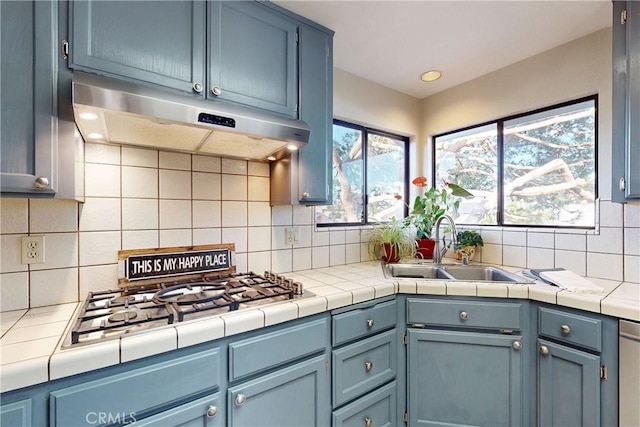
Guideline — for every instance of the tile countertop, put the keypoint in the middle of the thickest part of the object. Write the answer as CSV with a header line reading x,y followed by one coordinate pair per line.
x,y
30,350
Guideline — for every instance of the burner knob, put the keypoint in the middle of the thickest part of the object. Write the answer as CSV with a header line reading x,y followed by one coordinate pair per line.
x,y
289,283
280,279
297,288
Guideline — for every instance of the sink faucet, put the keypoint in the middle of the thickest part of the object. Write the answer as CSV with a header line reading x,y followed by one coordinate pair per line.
x,y
437,254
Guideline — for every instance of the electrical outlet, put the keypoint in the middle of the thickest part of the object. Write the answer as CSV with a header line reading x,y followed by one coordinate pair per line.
x,y
33,249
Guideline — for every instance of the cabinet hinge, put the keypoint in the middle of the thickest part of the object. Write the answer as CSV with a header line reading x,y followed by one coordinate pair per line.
x,y
65,49
603,372
326,50
297,37
506,331
623,17
405,416
622,184
404,339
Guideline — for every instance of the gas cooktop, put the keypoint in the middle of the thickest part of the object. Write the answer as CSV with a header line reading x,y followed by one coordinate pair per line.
x,y
113,313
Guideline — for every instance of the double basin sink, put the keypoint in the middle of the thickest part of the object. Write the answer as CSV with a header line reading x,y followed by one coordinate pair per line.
x,y
451,272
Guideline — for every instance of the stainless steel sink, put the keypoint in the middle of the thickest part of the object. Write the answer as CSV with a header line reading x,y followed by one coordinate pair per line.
x,y
468,273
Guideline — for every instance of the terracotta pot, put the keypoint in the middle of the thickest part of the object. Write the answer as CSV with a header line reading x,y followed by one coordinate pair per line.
x,y
389,253
425,248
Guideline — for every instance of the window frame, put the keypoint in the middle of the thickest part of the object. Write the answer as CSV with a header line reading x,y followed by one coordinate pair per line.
x,y
365,145
499,123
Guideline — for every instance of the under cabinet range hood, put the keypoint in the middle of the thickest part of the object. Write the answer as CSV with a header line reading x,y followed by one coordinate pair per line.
x,y
112,111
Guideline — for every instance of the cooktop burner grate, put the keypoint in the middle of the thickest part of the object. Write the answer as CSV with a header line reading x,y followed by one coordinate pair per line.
x,y
113,313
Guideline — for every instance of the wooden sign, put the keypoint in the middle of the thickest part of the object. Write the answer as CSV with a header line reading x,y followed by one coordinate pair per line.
x,y
165,264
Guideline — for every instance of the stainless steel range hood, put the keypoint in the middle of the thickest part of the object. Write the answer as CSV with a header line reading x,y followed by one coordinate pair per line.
x,y
113,111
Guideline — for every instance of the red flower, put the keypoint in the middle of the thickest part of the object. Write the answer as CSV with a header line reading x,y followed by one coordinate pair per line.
x,y
420,181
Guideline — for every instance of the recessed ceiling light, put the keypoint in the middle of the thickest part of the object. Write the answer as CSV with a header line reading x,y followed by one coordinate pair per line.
x,y
271,158
430,76
291,147
88,116
96,135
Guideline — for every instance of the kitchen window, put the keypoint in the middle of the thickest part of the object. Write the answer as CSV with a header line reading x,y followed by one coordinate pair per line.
x,y
533,169
370,173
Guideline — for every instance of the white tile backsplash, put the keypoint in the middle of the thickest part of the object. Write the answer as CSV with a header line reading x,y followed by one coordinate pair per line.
x,y
175,184
52,216
15,216
180,237
205,164
170,160
138,182
100,214
139,157
144,198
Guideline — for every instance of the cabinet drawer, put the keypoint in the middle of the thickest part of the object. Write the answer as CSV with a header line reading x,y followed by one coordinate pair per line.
x,y
466,314
363,366
378,406
363,322
133,392
570,328
207,411
277,348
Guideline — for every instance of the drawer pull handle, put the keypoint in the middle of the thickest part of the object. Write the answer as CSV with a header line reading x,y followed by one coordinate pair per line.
x,y
240,399
544,350
565,329
368,422
368,365
212,411
369,323
464,315
517,345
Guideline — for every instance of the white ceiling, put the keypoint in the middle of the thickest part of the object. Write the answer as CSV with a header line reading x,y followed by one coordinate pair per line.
x,y
392,42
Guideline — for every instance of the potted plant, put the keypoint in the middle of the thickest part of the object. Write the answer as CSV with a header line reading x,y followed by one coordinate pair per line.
x,y
430,206
391,241
468,241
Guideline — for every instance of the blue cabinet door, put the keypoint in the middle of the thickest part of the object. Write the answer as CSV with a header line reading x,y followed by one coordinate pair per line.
x,y
626,101
17,414
207,411
252,56
291,397
28,132
316,109
464,379
568,386
160,42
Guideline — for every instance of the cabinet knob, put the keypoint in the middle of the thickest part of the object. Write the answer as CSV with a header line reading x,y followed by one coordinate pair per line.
x,y
464,315
517,345
240,399
368,422
212,411
368,365
305,196
369,323
216,90
42,182
197,87
544,350
565,329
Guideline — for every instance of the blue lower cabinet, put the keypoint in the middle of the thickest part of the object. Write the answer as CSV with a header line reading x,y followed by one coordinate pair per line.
x,y
464,379
376,409
294,396
207,411
17,414
568,386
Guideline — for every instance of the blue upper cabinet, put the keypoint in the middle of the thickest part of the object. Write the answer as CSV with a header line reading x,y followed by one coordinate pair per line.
x,y
28,103
316,109
252,56
626,101
161,42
